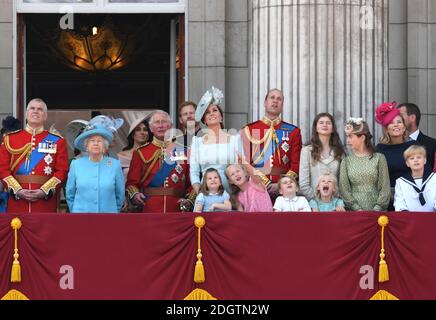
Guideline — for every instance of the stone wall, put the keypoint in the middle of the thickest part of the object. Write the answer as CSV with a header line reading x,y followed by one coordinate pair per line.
x,y
412,57
6,53
218,54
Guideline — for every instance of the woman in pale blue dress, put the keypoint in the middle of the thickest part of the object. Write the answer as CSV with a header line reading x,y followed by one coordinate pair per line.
x,y
216,148
95,182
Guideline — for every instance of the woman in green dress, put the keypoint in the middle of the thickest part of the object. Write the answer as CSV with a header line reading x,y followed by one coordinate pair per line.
x,y
363,176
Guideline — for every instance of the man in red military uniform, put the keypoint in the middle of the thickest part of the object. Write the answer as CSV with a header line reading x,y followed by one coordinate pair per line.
x,y
272,145
33,164
158,176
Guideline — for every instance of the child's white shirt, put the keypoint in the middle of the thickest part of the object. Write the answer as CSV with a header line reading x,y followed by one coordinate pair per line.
x,y
296,204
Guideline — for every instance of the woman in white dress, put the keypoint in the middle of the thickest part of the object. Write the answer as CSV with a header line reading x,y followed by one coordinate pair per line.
x,y
215,148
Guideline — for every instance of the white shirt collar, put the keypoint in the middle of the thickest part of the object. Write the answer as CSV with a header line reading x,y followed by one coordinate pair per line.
x,y
414,135
294,199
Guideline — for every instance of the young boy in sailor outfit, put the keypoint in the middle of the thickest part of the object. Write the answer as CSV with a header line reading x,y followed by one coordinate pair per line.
x,y
416,191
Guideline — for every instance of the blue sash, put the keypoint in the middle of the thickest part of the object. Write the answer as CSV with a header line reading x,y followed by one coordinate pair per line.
x,y
161,175
280,132
36,156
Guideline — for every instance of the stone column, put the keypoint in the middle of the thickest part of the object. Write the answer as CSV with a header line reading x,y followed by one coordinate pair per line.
x,y
412,58
326,56
6,61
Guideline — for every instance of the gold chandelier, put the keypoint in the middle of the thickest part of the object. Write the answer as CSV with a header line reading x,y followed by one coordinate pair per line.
x,y
93,49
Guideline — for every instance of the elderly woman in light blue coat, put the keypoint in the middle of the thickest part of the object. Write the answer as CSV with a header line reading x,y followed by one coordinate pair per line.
x,y
95,182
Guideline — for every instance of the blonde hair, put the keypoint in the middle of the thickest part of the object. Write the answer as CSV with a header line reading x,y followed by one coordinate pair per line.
x,y
335,182
413,150
234,190
386,138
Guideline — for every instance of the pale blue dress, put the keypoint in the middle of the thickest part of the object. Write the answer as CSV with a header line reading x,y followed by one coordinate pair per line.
x,y
217,156
95,187
210,199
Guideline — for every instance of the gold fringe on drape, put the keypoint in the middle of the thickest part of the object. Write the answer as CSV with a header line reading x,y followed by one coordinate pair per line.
x,y
14,295
16,267
199,294
383,295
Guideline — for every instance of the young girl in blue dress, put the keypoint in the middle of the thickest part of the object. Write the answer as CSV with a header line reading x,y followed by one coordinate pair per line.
x,y
212,196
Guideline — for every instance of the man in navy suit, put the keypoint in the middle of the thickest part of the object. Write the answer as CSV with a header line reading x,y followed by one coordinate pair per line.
x,y
412,117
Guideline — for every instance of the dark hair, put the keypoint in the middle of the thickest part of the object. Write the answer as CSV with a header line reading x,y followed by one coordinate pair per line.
x,y
204,189
220,110
335,141
361,129
131,143
412,108
186,103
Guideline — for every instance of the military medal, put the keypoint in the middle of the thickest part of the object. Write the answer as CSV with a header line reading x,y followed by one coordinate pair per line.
x,y
47,147
175,178
285,146
285,137
179,169
48,159
285,159
48,170
179,156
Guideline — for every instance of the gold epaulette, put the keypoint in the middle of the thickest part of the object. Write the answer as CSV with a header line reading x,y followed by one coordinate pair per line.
x,y
12,132
142,146
56,133
155,155
50,185
292,174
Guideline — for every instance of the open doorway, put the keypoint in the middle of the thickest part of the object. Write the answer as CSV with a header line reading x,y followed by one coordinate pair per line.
x,y
109,64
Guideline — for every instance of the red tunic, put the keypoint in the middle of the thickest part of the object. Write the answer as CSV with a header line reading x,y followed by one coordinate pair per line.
x,y
273,147
33,160
162,194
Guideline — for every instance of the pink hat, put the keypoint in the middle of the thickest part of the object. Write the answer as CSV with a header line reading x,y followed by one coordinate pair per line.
x,y
385,113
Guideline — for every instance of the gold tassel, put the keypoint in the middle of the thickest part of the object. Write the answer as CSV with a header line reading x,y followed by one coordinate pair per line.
x,y
199,276
383,273
16,268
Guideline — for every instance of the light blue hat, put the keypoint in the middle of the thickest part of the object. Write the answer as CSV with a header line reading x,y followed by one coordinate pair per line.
x,y
99,126
211,96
